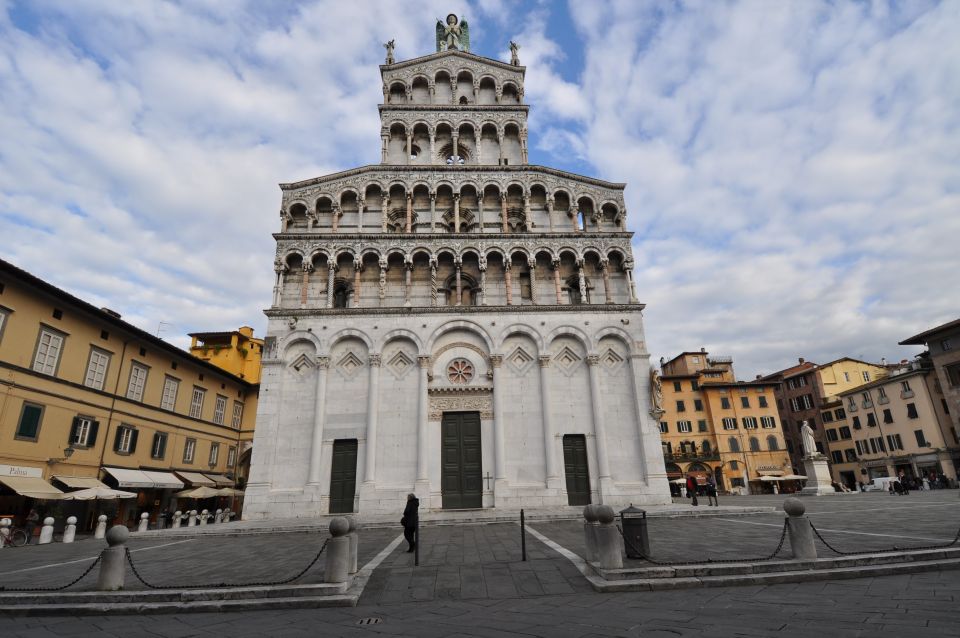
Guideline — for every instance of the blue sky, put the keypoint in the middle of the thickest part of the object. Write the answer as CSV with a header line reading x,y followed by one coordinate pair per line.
x,y
792,167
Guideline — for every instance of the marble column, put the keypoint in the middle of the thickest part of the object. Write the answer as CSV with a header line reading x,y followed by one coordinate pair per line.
x,y
433,282
532,264
499,436
479,153
549,454
319,417
409,147
284,221
279,269
357,267
503,213
456,142
336,217
628,269
370,473
407,282
360,205
432,87
582,283
423,432
526,211
500,144
476,91
384,211
556,281
550,213
305,282
483,281
599,428
433,147
384,143
508,280
382,294
480,211
409,225
605,271
572,212
453,93
459,266
433,212
456,212
331,273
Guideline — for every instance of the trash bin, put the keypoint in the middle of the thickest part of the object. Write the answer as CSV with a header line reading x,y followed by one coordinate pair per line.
x,y
636,542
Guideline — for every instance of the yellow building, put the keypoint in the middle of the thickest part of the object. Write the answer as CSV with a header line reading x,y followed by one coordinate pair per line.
x,y
714,425
238,352
86,397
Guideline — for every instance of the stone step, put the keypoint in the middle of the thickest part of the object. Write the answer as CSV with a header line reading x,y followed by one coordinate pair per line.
x,y
69,608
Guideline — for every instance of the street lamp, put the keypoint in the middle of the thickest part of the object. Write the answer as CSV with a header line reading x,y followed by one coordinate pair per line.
x,y
67,453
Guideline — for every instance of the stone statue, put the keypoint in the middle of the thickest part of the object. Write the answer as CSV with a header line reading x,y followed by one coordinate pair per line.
x,y
808,441
454,35
656,391
514,59
389,47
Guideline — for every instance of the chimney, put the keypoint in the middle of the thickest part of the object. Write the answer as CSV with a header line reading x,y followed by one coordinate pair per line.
x,y
802,360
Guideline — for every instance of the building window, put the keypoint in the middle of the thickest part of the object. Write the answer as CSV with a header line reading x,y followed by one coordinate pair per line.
x,y
894,442
826,417
96,369
856,423
921,439
158,449
749,423
677,387
698,405
705,447
701,425
4,313
684,426
912,410
126,440
725,403
29,425
832,435
49,346
772,444
768,422
729,423
83,432
237,414
839,414
754,444
220,409
851,456
846,377
881,392
867,401
763,401
695,385
189,448
733,444
905,386
845,432
138,380
866,376
196,402
807,401
871,420
214,454
887,416
664,429
836,456
168,401
859,449
745,402
681,407
231,457
953,375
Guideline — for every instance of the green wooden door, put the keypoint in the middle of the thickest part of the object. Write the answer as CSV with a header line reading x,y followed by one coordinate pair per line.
x,y
343,476
575,464
460,478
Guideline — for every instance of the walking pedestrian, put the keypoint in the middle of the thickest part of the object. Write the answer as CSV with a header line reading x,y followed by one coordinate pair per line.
x,y
30,523
692,489
712,491
410,520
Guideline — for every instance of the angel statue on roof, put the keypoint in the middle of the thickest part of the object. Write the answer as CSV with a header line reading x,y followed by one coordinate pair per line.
x,y
454,35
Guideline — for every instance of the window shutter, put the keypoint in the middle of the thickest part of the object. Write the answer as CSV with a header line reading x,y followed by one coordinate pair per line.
x,y
153,444
92,437
163,445
116,439
73,430
133,441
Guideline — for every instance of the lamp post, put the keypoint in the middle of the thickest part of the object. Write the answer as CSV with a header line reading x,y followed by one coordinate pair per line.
x,y
67,453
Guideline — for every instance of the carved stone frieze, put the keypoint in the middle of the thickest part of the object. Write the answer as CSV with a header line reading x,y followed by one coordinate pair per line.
x,y
390,117
481,402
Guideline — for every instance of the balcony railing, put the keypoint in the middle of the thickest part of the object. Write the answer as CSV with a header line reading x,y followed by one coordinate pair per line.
x,y
883,400
906,394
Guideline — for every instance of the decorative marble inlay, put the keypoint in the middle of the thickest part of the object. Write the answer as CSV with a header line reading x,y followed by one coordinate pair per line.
x,y
460,371
519,360
302,364
611,361
349,365
567,360
399,364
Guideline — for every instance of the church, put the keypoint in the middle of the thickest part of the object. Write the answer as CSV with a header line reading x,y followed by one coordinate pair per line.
x,y
454,321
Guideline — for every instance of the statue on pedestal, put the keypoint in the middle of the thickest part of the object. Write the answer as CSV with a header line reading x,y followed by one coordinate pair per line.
x,y
454,35
656,393
808,441
389,47
514,58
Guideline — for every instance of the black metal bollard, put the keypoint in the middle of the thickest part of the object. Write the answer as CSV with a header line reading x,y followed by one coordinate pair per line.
x,y
416,544
523,536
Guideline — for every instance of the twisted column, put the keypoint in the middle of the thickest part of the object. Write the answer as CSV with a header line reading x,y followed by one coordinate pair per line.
x,y
456,212
319,418
336,217
503,212
556,281
331,272
407,283
384,210
508,280
532,264
459,266
357,267
383,280
433,282
370,472
581,282
605,271
409,212
433,212
306,269
476,138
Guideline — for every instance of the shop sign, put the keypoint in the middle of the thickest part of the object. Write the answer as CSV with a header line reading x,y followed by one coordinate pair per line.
x,y
19,470
770,468
876,464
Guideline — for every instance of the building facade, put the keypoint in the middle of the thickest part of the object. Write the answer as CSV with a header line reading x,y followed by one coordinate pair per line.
x,y
88,399
808,391
713,425
236,351
453,322
892,425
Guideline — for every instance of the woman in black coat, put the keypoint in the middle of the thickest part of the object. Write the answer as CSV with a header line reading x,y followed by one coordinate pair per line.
x,y
410,520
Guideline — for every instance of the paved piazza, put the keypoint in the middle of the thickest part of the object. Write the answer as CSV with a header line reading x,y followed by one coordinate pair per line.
x,y
471,581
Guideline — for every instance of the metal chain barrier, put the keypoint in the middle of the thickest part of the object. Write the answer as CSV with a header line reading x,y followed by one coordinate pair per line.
x,y
711,561
918,548
221,585
61,588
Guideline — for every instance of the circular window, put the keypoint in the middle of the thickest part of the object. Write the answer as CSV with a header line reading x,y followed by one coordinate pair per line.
x,y
460,371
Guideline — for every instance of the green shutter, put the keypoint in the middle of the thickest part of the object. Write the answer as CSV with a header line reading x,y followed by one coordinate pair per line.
x,y
73,430
92,437
133,441
29,421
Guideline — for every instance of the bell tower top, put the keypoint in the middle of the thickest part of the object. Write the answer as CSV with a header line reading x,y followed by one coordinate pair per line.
x,y
453,34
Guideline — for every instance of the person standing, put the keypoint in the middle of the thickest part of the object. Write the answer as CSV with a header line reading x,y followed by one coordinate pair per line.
x,y
30,523
712,491
692,488
410,520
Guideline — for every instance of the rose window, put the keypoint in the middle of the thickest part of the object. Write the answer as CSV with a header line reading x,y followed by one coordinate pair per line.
x,y
460,371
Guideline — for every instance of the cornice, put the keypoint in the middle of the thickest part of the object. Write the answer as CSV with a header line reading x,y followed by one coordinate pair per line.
x,y
283,313
434,168
439,55
453,107
421,237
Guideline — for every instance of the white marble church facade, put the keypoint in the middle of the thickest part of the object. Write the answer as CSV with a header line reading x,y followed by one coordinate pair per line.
x,y
453,322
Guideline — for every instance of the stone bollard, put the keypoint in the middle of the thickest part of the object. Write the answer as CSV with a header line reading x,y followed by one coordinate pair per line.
x,y
144,522
101,530
4,530
113,560
70,531
799,530
218,518
354,537
226,515
204,515
192,520
590,532
46,532
609,541
177,519
338,552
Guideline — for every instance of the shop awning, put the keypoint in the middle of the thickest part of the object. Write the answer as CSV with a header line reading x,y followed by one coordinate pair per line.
x,y
31,486
164,480
129,478
220,480
80,482
196,478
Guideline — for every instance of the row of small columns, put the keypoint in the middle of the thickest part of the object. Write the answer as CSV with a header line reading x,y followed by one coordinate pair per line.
x,y
424,362
280,269
385,141
432,87
504,225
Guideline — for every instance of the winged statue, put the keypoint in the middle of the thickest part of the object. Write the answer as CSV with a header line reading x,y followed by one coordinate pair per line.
x,y
454,35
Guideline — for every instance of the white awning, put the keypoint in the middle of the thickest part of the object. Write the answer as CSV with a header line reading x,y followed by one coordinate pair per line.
x,y
130,478
31,486
80,482
164,480
196,478
220,480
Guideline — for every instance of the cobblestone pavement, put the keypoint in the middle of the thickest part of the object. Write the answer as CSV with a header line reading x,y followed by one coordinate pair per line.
x,y
918,606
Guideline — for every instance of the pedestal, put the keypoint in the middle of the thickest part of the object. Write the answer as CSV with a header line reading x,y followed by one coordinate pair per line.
x,y
818,477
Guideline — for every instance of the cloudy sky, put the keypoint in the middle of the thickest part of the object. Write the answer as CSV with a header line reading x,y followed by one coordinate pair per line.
x,y
793,167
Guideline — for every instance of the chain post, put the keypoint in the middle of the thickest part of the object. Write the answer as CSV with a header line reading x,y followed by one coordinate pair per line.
x,y
523,536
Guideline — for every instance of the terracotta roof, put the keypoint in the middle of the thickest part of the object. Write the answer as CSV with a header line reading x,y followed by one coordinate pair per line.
x,y
924,337
789,372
